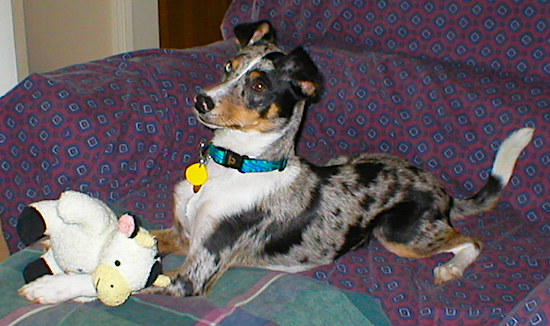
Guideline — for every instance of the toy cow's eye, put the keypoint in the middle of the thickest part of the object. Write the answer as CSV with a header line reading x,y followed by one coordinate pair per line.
x,y
258,86
117,263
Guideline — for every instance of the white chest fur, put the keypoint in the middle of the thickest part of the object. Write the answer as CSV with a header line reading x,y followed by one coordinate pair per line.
x,y
227,193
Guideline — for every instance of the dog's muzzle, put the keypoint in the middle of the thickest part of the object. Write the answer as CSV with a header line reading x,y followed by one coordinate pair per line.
x,y
204,103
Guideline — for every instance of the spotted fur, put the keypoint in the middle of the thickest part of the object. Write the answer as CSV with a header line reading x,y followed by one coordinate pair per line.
x,y
306,215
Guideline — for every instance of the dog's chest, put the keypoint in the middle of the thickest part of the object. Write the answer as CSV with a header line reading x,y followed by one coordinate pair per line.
x,y
227,193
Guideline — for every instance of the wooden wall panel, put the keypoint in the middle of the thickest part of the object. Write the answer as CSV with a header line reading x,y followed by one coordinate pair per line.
x,y
189,23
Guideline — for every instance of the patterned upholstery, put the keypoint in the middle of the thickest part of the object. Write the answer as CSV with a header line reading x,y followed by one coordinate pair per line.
x,y
439,83
120,129
506,36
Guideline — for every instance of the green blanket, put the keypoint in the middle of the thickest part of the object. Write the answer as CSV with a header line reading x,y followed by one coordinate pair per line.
x,y
243,296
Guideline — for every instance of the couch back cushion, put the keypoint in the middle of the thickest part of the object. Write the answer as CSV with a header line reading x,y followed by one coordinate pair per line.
x,y
507,36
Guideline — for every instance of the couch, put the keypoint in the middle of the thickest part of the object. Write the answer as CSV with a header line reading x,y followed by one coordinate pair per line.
x,y
439,83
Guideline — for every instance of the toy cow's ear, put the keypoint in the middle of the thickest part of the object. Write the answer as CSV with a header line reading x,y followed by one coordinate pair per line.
x,y
30,225
128,225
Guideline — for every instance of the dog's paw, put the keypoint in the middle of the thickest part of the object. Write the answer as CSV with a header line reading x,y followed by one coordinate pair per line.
x,y
446,273
169,290
43,290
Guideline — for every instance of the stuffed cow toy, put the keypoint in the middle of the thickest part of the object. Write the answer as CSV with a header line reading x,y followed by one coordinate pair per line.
x,y
91,253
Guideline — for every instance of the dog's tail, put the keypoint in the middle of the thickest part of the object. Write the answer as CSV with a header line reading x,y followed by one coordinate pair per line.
x,y
501,173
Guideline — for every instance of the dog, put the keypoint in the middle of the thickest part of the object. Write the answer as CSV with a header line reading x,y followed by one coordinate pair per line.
x,y
263,206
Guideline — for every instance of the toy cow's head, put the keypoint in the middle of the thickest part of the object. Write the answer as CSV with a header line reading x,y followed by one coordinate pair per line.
x,y
129,262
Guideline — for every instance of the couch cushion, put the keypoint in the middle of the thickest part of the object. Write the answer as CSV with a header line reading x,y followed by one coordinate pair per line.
x,y
506,36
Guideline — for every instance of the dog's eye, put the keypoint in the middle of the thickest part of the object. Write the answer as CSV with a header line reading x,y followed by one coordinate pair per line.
x,y
117,263
228,67
258,86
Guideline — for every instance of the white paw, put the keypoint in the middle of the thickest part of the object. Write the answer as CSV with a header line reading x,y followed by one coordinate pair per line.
x,y
446,273
43,290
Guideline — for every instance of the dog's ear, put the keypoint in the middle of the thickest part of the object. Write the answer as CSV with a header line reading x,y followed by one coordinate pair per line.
x,y
251,33
302,71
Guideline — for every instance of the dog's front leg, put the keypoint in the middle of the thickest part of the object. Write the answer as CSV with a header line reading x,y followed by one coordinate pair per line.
x,y
199,271
197,274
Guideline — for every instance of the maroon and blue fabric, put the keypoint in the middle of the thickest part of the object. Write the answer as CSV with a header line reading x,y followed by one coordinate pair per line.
x,y
121,129
509,36
439,83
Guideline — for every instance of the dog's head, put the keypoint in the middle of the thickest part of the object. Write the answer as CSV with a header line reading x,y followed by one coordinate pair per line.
x,y
262,85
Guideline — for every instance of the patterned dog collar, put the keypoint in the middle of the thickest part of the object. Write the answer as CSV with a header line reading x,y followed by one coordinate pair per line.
x,y
243,163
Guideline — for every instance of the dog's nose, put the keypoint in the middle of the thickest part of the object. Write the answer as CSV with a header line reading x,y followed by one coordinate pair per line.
x,y
203,103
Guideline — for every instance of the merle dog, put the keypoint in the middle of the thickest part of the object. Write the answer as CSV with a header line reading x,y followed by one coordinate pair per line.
x,y
263,206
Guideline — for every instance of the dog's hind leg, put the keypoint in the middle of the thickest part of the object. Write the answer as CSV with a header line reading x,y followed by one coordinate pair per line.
x,y
465,249
436,238
171,241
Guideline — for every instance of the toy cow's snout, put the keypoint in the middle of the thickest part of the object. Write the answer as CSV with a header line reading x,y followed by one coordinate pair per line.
x,y
112,288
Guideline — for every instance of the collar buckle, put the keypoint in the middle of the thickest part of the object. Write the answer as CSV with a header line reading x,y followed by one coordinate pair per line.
x,y
234,160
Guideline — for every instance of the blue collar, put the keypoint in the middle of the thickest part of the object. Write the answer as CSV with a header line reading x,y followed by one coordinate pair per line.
x,y
243,163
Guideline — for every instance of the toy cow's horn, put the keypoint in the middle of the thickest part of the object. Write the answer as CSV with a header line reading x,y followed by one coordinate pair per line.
x,y
145,239
156,277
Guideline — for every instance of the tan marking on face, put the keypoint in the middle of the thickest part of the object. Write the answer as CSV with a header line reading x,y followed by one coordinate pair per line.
x,y
235,63
273,111
254,74
231,113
